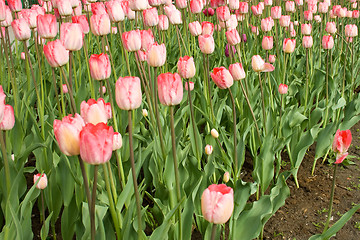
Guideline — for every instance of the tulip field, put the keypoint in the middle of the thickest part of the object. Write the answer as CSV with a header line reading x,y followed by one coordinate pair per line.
x,y
160,119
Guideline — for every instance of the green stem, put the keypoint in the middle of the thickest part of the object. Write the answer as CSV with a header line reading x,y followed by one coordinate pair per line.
x,y
263,102
6,162
92,208
327,89
209,87
125,52
72,100
352,72
307,78
92,89
213,231
235,135
42,207
331,200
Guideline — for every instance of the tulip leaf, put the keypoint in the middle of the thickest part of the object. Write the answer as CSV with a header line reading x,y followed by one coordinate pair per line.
x,y
45,228
324,140
341,103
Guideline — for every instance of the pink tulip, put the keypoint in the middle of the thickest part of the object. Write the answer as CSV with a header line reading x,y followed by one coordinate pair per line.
x,y
237,71
234,4
308,15
42,184
207,28
195,28
15,5
255,30
290,6
21,29
206,43
151,17
67,134
98,8
355,14
132,40
317,18
284,21
82,20
330,27
100,24
186,67
222,77
351,30
272,58
208,12
2,10
267,24
95,111
156,3
141,55
30,17
312,7
2,103
128,93
96,143
71,35
22,56
289,45
307,41
130,14
196,6
56,54
47,26
323,7
259,65
156,55
138,5
299,2
257,10
223,13
115,11
233,37
327,42
267,42
208,149
117,141
283,88
64,7
217,203
181,4
191,84
306,29
170,89
8,18
100,68
163,23
147,39
8,119
341,144
173,14
217,3
65,89
243,7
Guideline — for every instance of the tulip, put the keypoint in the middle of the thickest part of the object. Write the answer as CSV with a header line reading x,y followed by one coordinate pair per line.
x,y
283,88
71,35
96,143
255,30
117,141
308,15
355,14
95,111
141,55
233,37
214,133
115,11
151,17
267,24
208,12
299,2
15,5
100,24
267,42
47,26
223,13
341,144
186,67
351,30
243,7
189,86
227,47
284,21
290,6
181,4
130,14
237,71
307,41
206,43
65,89
2,10
330,27
21,29
163,23
306,29
156,55
145,113
196,6
222,77
42,184
257,10
207,28
56,54
82,20
64,7
317,18
98,8
170,89
195,28
327,42
173,14
8,119
100,68
259,65
323,7
289,45
138,5
147,39
272,58
234,4
208,149
30,17
132,40
217,203
226,177
22,56
67,134
128,93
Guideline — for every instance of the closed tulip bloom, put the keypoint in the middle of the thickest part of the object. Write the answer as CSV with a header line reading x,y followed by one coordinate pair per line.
x,y
117,141
308,15
95,111
82,20
289,45
323,7
306,29
96,143
355,14
65,89
42,184
267,42
341,144
30,17
151,17
317,18
100,24
214,133
100,68
56,54
21,29
186,67
173,14
196,6
8,18
208,149
156,55
284,21
272,58
226,177
231,23
138,5
145,113
234,4
163,23
130,14
47,26
327,42
207,28
2,10
181,4
255,30
290,6
67,134
351,30
267,24
191,84
330,27
141,55
349,14
64,7
233,37
206,43
217,203
223,13
15,5
156,3
132,40
8,119
195,28
307,41
2,103
222,77
257,10
258,64
71,36
128,93
243,7
170,89
98,8
283,88
341,13
147,39
209,12
115,11
237,71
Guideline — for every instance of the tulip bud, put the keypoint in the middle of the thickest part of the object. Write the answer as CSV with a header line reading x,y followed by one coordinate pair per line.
x,y
191,84
272,58
64,88
117,141
163,22
156,55
95,111
283,88
237,71
8,119
226,177
327,42
214,133
341,144
208,149
42,184
145,113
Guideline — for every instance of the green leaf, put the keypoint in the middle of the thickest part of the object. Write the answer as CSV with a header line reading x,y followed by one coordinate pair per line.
x,y
45,228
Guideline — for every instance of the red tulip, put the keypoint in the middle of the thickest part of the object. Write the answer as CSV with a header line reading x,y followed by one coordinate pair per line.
x,y
100,24
95,111
82,20
100,68
8,119
71,35
42,184
21,29
128,93
341,144
132,40
115,11
186,67
233,37
195,28
222,77
156,55
206,43
56,54
237,71
47,26
67,134
170,89
327,42
15,5
217,203
96,143
283,88
151,17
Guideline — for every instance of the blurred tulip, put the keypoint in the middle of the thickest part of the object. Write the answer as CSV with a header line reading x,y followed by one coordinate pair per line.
x,y
207,28
355,14
22,56
214,133
117,141
243,7
47,26
21,29
156,55
170,89
233,37
237,71
234,4
196,6
284,21
82,20
2,103
181,4
222,77
308,15
100,24
56,54
95,111
208,12
257,10
323,7
255,30
147,39
145,113
8,18
65,89
128,93
327,42
195,28
163,23
42,184
191,84
223,13
98,8
259,65
217,203
115,11
132,40
2,10
30,17
100,68
71,35
290,6
267,42
341,144
267,24
138,5
206,43
8,119
186,67
289,45
15,5
283,88
173,14
226,177
272,58
306,29
208,149
351,30
317,18
64,7
307,41
151,17
330,27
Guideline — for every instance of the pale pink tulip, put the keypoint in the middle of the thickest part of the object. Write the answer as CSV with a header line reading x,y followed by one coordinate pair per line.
x,y
71,35
151,17
156,55
95,111
100,24
147,39
243,7
8,18
307,41
206,43
82,20
234,4
30,17
115,11
170,89
15,5
56,54
8,119
289,45
195,28
351,30
173,14
132,40
233,37
47,26
196,6
21,29
138,5
64,88
208,149
284,21
207,28
2,10
267,24
42,184
128,93
258,64
100,68
98,8
117,141
306,29
330,27
223,13
222,77
308,15
237,71
181,4
290,6
327,42
64,7
163,23
341,144
191,84
267,42
272,58
186,67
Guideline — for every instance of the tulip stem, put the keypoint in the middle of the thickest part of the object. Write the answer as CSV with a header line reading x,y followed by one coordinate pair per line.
x,y
86,183
6,162
235,135
178,38
56,92
178,193
93,199
331,200
307,77
133,170
72,101
88,71
125,52
42,207
209,88
263,102
352,71
213,231
327,88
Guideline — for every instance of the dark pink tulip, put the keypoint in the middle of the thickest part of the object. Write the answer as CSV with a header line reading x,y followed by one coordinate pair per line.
x,y
186,67
30,16
156,55
196,6
128,93
56,54
82,20
208,12
100,24
283,88
95,111
151,17
341,144
98,8
163,23
67,134
21,29
15,5
237,71
96,143
206,43
233,37
222,77
47,26
115,11
170,89
8,120
100,68
327,42
71,35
